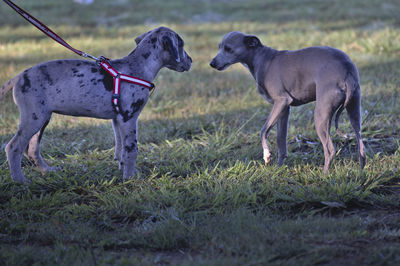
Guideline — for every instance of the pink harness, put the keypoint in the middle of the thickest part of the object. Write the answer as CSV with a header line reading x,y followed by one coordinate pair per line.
x,y
118,77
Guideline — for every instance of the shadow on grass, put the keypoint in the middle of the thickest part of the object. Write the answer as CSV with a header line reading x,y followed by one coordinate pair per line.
x,y
186,146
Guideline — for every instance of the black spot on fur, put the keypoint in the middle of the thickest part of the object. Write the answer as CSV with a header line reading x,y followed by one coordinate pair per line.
x,y
135,106
46,75
78,64
94,70
27,84
146,55
58,91
130,148
80,75
108,80
60,62
153,40
74,70
42,102
34,116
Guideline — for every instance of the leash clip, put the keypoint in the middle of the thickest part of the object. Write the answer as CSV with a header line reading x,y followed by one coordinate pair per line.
x,y
101,59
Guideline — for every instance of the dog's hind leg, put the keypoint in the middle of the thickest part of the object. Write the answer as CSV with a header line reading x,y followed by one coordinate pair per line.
x,y
30,124
32,151
322,126
118,142
328,102
279,109
354,113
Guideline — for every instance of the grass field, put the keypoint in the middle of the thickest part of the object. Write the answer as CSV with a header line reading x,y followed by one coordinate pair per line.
x,y
203,196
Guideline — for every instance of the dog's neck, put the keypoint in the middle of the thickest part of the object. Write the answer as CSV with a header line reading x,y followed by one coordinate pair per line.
x,y
142,62
257,60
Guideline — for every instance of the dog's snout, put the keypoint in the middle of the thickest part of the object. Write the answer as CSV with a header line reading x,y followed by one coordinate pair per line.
x,y
213,63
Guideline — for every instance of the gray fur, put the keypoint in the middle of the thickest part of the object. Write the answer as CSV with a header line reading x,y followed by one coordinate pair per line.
x,y
82,88
291,78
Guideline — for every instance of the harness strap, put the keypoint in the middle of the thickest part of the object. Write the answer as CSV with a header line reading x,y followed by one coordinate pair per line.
x,y
118,77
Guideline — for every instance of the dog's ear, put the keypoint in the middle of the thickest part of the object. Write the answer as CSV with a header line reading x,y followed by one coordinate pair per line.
x,y
169,46
141,37
251,41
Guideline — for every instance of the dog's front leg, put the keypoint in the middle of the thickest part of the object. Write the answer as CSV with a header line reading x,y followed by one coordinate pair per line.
x,y
118,142
278,110
129,148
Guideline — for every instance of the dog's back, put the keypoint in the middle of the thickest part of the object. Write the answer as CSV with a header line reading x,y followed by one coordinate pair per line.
x,y
302,71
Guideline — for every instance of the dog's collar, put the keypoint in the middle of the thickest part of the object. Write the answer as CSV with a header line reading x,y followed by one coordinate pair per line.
x,y
118,77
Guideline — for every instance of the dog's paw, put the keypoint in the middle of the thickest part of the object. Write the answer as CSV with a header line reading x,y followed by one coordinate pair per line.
x,y
54,169
130,174
267,157
48,169
21,179
281,160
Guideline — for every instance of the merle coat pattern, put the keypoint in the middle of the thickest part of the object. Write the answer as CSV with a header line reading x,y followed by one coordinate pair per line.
x,y
82,88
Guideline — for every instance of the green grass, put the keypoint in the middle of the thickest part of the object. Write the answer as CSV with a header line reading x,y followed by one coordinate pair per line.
x,y
203,195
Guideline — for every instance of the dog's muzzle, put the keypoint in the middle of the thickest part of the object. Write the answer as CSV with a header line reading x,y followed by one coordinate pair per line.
x,y
213,63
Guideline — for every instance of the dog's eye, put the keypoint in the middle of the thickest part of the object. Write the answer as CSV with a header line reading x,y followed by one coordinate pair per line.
x,y
227,49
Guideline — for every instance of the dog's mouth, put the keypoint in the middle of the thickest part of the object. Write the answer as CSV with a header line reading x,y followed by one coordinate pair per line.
x,y
223,67
179,68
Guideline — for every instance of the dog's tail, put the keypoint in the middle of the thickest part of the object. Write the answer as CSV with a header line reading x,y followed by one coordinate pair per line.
x,y
8,86
351,84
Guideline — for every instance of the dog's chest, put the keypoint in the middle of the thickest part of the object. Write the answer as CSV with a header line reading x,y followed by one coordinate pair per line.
x,y
264,93
133,100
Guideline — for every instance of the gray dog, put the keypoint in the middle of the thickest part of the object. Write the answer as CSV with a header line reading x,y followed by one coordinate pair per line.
x,y
82,88
291,78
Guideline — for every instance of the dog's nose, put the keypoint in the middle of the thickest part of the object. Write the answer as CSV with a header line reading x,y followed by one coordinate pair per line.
x,y
213,64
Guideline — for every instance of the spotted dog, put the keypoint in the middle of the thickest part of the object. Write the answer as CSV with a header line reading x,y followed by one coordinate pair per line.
x,y
291,78
82,88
